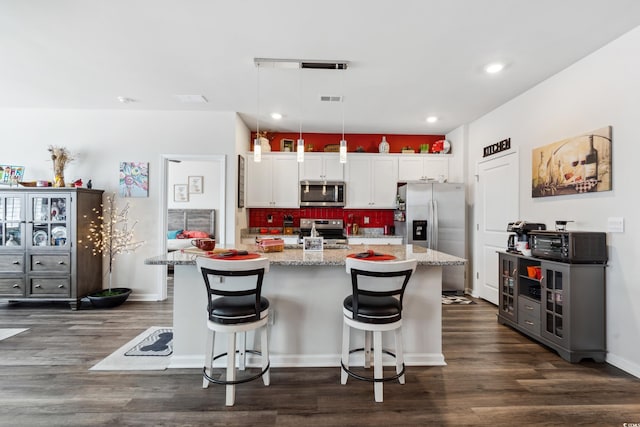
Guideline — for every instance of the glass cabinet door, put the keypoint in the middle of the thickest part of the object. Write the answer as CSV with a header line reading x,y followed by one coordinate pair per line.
x,y
508,286
554,279
12,220
49,220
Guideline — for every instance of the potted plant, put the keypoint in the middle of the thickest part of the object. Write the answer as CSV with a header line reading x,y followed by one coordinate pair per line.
x,y
112,236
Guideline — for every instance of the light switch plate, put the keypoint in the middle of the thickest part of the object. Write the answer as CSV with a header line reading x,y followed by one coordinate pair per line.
x,y
615,224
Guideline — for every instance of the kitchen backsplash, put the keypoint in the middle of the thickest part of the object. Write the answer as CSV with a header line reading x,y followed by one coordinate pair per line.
x,y
258,217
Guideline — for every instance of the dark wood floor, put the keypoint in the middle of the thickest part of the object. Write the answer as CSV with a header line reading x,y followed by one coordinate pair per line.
x,y
494,376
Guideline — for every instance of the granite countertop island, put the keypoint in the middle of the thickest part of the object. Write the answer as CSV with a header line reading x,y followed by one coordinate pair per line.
x,y
306,290
328,257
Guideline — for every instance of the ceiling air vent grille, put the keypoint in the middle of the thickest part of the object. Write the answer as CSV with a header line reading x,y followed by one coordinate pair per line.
x,y
330,98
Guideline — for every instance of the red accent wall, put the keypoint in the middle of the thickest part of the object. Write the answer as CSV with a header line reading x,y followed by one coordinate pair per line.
x,y
378,218
369,142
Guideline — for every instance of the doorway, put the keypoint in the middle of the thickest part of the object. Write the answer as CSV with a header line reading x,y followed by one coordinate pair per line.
x,y
497,204
211,171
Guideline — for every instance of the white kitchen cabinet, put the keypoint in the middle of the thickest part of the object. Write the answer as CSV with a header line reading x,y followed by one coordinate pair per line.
x,y
321,167
422,167
371,181
272,182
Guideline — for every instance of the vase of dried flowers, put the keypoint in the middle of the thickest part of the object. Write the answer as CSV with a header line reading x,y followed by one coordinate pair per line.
x,y
60,157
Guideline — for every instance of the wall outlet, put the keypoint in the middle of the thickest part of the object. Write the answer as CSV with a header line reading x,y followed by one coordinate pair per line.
x,y
366,220
269,218
615,224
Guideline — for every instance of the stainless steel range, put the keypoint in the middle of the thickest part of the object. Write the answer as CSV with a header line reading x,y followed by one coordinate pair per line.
x,y
332,230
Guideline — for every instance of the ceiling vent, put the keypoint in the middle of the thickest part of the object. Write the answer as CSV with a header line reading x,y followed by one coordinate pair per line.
x,y
330,98
323,65
299,63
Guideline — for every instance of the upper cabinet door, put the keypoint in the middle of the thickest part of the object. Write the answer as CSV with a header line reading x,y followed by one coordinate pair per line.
x,y
48,220
12,220
259,184
321,167
372,181
415,167
272,182
285,182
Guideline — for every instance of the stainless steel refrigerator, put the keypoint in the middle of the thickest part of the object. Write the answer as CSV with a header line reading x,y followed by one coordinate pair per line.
x,y
436,218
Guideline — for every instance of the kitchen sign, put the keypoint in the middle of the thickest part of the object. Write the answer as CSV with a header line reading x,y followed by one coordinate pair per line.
x,y
492,149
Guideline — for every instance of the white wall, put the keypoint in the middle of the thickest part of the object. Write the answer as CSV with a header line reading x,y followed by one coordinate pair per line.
x,y
600,90
101,139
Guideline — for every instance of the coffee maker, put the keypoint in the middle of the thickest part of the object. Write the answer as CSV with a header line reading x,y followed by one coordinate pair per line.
x,y
519,240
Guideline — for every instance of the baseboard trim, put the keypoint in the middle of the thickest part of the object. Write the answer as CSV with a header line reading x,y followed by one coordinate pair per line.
x,y
305,361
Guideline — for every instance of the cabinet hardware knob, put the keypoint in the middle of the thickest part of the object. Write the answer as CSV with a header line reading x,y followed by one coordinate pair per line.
x,y
528,322
16,286
60,286
16,262
37,286
528,307
38,262
60,262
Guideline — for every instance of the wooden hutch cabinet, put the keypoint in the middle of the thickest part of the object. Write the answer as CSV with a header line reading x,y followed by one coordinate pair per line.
x,y
558,304
40,254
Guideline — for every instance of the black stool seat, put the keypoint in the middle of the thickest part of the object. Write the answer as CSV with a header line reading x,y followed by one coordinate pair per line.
x,y
375,309
232,310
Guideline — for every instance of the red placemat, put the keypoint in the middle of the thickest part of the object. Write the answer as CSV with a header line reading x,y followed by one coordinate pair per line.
x,y
372,256
234,256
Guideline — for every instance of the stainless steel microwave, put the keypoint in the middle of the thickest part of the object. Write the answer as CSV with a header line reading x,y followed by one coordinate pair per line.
x,y
580,247
322,193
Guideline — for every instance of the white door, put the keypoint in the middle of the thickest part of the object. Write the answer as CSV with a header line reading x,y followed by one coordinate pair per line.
x,y
497,201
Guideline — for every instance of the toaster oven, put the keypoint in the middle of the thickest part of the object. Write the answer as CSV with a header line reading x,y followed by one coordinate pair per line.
x,y
577,247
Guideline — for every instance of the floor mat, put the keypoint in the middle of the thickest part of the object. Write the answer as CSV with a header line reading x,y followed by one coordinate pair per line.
x,y
9,332
117,361
456,299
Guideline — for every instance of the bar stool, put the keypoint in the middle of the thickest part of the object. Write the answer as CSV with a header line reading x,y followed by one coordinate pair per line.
x,y
234,305
375,306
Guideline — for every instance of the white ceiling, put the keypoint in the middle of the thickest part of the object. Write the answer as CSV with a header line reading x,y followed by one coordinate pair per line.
x,y
408,58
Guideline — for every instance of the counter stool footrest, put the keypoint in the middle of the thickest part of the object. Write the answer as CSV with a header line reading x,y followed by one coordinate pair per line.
x,y
369,379
240,381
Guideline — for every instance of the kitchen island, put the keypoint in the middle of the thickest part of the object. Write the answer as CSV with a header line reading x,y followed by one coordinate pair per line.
x,y
306,290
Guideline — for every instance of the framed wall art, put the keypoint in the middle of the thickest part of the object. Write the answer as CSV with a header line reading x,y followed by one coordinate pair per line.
x,y
134,179
576,165
180,193
312,244
195,184
240,182
286,145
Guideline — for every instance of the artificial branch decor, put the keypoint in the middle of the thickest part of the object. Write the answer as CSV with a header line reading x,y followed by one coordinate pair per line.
x,y
112,235
60,156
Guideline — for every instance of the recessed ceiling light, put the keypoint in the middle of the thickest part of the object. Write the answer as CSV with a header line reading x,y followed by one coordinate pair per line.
x,y
496,67
125,99
276,116
432,119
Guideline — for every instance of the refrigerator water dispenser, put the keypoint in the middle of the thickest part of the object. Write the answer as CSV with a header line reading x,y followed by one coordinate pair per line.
x,y
419,230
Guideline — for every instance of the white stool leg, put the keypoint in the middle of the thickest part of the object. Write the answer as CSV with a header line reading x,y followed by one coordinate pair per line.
x,y
208,357
231,368
367,349
345,352
399,354
264,348
242,351
377,364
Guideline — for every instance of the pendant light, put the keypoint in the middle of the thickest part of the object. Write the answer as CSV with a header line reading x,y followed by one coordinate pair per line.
x,y
300,145
257,146
343,142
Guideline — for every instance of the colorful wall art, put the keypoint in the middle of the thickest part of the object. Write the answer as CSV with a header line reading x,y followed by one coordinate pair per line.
x,y
581,164
134,179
